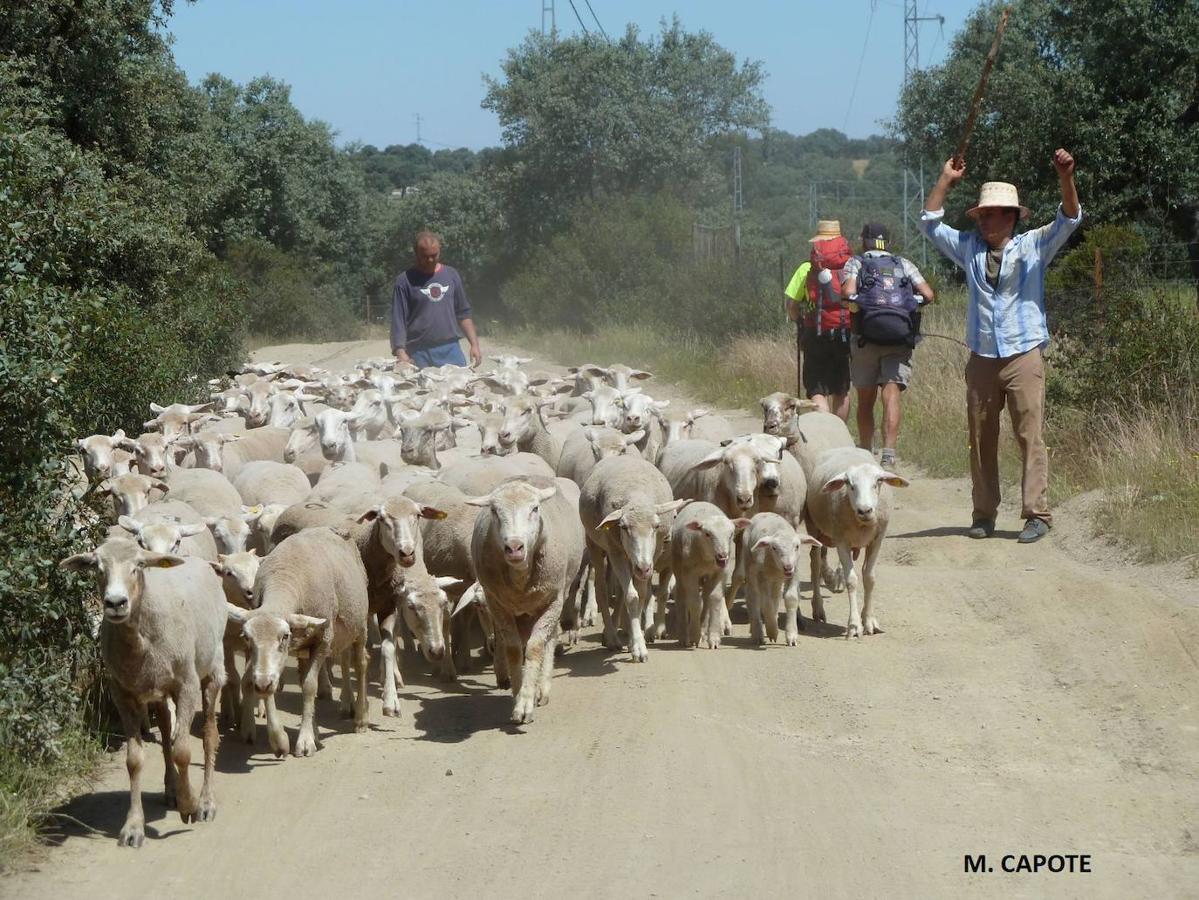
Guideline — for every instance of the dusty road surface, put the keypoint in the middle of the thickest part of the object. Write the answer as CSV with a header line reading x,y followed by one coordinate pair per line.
x,y
1022,700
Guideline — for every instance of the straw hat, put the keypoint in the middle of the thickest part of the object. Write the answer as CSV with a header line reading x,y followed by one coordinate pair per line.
x,y
825,230
997,193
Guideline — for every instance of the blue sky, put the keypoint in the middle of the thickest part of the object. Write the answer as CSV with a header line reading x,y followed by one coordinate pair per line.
x,y
368,67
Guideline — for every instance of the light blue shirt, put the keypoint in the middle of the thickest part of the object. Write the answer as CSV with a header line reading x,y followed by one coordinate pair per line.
x,y
1009,319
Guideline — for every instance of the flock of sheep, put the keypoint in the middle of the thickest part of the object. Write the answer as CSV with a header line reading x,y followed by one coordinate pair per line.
x,y
299,509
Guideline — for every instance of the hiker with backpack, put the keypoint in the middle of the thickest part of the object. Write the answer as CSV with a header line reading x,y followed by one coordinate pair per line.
x,y
1006,331
884,293
814,300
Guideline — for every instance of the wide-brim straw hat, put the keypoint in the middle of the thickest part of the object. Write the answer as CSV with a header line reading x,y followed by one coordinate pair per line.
x,y
826,229
998,194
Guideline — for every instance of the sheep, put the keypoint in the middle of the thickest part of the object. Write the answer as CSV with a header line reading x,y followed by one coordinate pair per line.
x,y
130,493
767,563
170,527
701,549
265,481
726,476
816,433
152,453
99,452
779,411
525,429
621,377
713,428
237,572
418,438
261,521
370,414
344,480
676,426
208,492
481,475
627,511
588,377
311,600
231,534
285,408
607,405
227,454
398,481
637,414
587,446
526,547
257,406
490,424
160,640
175,419
849,504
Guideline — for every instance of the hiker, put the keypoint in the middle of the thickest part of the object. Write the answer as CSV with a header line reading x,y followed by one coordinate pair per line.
x,y
825,322
1006,332
886,327
429,311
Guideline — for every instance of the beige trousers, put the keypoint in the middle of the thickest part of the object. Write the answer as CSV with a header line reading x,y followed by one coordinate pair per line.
x,y
1017,382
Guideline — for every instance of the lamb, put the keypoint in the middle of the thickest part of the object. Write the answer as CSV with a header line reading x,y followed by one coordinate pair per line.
x,y
627,511
768,563
527,547
265,481
310,600
849,503
587,446
208,492
701,548
160,640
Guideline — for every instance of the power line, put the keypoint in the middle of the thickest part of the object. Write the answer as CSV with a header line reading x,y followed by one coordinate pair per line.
x,y
582,24
861,60
597,21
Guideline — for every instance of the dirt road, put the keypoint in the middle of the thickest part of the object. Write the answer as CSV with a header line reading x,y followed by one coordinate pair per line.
x,y
1022,700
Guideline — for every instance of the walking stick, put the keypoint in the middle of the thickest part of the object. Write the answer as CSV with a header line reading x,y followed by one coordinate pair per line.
x,y
959,158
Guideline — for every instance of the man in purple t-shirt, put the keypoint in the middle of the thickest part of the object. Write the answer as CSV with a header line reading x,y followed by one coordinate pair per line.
x,y
428,310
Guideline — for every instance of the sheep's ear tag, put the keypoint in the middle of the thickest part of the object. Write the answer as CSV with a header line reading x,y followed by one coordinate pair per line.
x,y
164,564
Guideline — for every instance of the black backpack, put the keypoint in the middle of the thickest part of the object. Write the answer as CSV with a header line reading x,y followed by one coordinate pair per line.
x,y
888,312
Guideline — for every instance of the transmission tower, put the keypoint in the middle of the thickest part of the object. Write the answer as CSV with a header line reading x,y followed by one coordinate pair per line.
x,y
737,204
548,15
417,117
913,182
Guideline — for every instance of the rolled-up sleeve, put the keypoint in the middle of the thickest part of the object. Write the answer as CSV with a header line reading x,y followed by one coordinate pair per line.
x,y
461,303
399,318
1052,237
949,241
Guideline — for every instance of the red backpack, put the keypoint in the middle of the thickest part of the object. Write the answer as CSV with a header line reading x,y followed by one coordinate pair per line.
x,y
828,316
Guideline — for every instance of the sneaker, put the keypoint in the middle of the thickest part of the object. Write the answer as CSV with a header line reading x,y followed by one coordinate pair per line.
x,y
887,460
1034,530
981,528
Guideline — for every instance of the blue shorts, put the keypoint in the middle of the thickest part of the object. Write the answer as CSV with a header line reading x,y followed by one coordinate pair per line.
x,y
442,355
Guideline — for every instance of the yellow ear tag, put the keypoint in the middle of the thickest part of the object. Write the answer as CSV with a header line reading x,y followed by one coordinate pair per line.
x,y
164,564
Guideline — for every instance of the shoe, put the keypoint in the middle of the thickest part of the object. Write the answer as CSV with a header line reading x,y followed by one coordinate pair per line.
x,y
1034,530
981,528
887,460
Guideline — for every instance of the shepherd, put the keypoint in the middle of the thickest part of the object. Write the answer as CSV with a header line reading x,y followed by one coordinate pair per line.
x,y
430,311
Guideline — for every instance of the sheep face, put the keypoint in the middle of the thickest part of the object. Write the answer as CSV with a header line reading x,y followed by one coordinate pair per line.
x,y
780,554
304,436
515,509
398,522
425,607
738,464
717,536
284,410
333,432
638,408
643,532
620,377
519,421
130,493
160,537
230,532
257,405
269,639
151,452
777,410
606,406
238,571
861,486
97,452
588,377
490,426
119,566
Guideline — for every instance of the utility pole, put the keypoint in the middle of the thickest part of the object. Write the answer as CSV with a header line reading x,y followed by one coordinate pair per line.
x,y
418,139
737,205
549,15
913,182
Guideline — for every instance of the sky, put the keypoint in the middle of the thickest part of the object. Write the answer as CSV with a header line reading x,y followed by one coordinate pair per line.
x,y
369,67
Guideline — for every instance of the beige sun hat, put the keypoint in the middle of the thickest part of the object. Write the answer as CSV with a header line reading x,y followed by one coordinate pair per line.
x,y
998,193
826,229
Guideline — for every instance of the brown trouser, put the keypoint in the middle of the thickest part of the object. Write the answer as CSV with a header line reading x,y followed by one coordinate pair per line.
x,y
1019,383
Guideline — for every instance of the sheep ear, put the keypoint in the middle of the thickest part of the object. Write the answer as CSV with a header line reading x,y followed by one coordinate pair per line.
x,y
671,506
545,493
156,409
305,628
129,524
159,560
893,480
485,500
192,528
126,444
715,458
635,437
371,514
226,438
432,512
467,598
236,613
740,523
611,519
726,442
809,540
698,414
762,542
694,525
446,581
218,567
79,562
118,434
160,485
835,484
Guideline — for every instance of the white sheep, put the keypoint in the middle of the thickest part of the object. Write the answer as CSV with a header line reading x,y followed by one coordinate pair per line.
x,y
780,409
768,565
311,600
161,639
527,547
209,493
170,527
809,436
264,481
100,455
701,552
153,453
587,446
849,503
130,493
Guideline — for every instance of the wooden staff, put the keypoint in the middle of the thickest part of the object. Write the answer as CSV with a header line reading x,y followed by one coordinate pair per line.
x,y
959,157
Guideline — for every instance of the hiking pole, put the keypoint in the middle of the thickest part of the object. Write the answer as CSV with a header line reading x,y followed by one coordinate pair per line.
x,y
959,157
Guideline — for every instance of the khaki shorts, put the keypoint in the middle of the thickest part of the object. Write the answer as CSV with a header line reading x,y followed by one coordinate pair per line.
x,y
872,365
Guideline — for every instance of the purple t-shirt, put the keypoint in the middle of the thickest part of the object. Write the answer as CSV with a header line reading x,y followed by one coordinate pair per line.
x,y
425,309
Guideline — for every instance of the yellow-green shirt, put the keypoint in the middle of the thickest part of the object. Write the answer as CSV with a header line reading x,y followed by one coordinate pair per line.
x,y
798,284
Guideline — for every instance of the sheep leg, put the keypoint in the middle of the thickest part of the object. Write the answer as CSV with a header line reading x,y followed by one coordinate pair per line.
x,y
815,556
853,588
545,632
687,605
211,690
661,592
792,624
186,701
133,832
347,689
713,610
499,657
459,630
508,635
162,712
588,600
834,579
274,728
361,660
231,693
306,740
598,557
754,605
391,672
869,622
325,684
635,593
449,671
570,609
768,601
249,701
